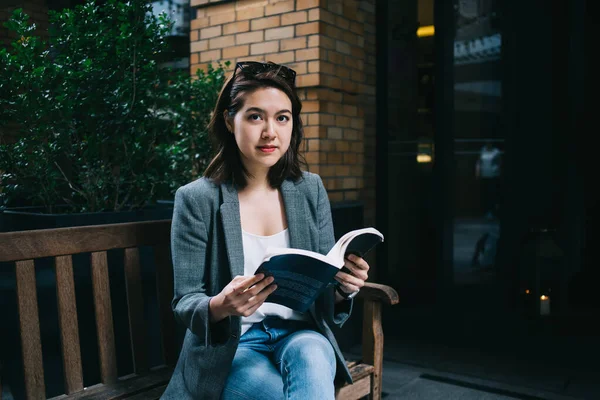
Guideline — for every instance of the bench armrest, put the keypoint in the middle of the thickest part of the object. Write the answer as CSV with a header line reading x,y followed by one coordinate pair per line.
x,y
377,292
373,296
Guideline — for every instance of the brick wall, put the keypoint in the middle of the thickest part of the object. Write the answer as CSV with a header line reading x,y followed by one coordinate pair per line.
x,y
331,45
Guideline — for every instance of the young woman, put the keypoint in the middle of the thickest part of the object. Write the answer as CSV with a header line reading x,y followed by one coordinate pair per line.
x,y
254,195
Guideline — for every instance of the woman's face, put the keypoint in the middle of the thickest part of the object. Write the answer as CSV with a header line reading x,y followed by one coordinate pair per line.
x,y
262,128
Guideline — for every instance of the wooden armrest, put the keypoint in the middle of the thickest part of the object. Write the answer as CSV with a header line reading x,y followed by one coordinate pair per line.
x,y
377,292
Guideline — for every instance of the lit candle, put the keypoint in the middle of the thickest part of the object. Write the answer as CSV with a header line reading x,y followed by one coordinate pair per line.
x,y
545,305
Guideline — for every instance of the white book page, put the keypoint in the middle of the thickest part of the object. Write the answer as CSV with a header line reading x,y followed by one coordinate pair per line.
x,y
276,251
339,249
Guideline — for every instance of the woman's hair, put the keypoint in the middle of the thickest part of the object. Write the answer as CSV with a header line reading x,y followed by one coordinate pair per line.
x,y
226,165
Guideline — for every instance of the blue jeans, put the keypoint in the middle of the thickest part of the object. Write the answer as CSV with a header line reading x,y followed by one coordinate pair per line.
x,y
282,359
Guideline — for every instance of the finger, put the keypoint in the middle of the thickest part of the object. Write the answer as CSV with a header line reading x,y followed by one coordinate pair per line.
x,y
352,279
247,281
359,273
260,286
248,312
359,262
349,288
263,294
256,301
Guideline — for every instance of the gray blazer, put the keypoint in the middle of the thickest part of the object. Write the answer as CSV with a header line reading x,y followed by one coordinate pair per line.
x,y
207,252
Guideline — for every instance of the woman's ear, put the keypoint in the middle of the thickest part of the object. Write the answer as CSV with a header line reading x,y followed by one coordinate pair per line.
x,y
228,123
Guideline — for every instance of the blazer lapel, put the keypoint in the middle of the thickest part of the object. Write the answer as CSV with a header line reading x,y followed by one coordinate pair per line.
x,y
232,228
296,213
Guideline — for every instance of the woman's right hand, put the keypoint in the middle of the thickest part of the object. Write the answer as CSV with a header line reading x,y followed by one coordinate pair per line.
x,y
241,297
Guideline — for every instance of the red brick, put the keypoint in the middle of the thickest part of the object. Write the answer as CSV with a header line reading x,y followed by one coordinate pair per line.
x,y
264,47
280,7
212,55
250,13
265,23
279,33
211,32
293,18
313,41
293,44
223,18
307,80
249,37
304,4
199,23
309,28
307,54
199,46
281,58
217,9
299,67
221,42
342,22
236,51
243,5
236,27
334,133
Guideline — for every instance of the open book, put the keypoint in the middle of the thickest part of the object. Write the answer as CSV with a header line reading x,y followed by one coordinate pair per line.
x,y
302,275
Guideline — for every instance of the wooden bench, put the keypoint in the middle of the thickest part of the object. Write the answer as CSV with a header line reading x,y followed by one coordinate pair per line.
x,y
146,381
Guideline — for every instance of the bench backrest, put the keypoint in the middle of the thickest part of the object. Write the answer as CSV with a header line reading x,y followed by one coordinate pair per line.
x,y
24,247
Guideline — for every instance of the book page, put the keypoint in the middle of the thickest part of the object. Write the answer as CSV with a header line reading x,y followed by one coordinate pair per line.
x,y
359,241
276,251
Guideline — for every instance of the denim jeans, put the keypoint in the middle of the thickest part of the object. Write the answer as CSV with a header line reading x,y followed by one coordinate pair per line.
x,y
282,359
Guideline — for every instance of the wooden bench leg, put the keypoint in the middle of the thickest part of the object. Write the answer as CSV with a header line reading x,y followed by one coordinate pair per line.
x,y
372,344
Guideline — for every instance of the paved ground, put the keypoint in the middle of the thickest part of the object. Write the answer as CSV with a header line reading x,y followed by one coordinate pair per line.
x,y
479,380
417,369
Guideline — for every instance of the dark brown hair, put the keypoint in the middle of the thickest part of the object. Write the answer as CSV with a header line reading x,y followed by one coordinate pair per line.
x,y
226,165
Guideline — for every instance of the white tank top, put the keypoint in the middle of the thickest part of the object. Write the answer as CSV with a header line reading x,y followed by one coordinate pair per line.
x,y
255,247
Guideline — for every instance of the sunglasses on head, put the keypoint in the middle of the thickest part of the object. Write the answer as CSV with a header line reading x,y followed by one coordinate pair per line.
x,y
256,67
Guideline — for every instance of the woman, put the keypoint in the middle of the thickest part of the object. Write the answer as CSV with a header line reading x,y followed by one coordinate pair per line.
x,y
254,195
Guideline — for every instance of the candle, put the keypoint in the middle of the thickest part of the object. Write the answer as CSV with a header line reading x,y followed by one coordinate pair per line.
x,y
545,305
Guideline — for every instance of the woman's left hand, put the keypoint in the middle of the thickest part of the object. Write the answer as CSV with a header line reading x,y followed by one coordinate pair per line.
x,y
354,281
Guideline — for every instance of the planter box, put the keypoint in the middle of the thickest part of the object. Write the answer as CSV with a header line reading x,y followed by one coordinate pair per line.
x,y
28,218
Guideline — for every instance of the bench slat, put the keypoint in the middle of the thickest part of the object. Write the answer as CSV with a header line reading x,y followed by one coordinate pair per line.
x,y
359,389
124,388
152,394
69,327
104,322
164,288
27,245
30,330
135,305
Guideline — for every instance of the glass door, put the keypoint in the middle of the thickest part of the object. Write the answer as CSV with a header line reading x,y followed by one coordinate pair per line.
x,y
478,141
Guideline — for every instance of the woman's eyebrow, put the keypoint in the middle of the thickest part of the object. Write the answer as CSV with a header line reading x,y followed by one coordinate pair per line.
x,y
260,110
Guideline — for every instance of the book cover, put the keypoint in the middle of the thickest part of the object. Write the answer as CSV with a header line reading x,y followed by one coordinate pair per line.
x,y
301,275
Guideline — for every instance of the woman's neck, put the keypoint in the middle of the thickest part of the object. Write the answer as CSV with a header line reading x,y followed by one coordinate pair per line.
x,y
258,183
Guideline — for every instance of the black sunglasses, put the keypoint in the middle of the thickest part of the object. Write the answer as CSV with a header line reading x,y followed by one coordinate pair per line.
x,y
255,67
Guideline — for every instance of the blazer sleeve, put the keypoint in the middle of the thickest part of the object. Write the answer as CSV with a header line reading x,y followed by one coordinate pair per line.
x,y
335,314
189,238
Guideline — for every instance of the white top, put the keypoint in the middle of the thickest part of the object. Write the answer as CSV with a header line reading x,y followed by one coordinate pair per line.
x,y
255,247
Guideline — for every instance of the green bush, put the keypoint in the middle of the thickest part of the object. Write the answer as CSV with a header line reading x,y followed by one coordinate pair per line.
x,y
100,125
